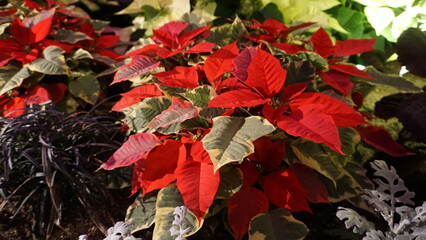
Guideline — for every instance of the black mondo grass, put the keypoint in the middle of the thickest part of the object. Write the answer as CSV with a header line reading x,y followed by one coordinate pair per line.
x,y
48,159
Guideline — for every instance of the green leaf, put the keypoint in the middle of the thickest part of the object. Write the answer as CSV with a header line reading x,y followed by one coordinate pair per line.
x,y
52,63
200,96
11,78
314,156
143,112
231,181
85,87
349,138
167,200
69,36
390,80
227,33
351,21
231,138
276,225
349,185
142,212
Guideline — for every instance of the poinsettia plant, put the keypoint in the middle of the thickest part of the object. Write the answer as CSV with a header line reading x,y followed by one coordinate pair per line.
x,y
248,120
256,127
52,52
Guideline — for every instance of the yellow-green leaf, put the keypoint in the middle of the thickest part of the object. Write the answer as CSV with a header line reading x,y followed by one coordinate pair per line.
x,y
168,199
277,224
85,87
142,212
11,78
53,62
231,138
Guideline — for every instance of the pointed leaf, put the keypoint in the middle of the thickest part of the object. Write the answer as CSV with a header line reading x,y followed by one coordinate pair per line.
x,y
198,184
277,224
138,66
338,80
378,137
178,112
199,154
136,95
186,39
180,77
231,138
238,98
350,69
136,147
220,62
168,199
157,170
310,122
52,63
70,36
269,154
284,190
201,47
322,43
265,74
14,78
56,91
243,206
353,46
342,114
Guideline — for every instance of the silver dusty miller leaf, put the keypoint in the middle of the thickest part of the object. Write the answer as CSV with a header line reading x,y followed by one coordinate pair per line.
x,y
393,201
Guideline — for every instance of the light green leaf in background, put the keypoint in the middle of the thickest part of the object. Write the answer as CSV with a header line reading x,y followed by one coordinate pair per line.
x,y
85,87
205,9
156,13
11,78
351,21
168,199
231,138
379,23
308,11
381,3
277,224
52,63
141,212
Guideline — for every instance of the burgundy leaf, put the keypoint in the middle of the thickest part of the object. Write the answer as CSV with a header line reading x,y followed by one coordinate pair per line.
x,y
378,137
242,62
338,80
